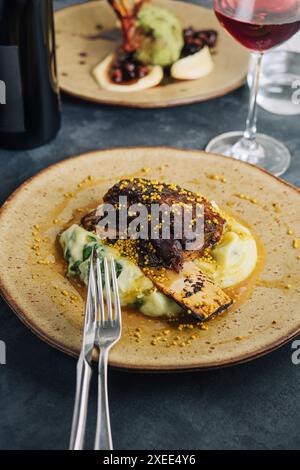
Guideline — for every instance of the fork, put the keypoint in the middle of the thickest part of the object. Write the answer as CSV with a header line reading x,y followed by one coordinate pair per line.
x,y
103,334
84,364
108,333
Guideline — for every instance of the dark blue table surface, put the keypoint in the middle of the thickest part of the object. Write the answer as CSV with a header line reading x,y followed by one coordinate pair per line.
x,y
255,405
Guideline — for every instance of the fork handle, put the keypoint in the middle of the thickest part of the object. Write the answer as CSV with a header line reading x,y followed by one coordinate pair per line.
x,y
103,439
83,379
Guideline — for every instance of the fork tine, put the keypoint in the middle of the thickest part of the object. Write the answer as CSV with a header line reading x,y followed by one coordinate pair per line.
x,y
94,304
107,289
117,306
90,306
100,291
87,313
93,286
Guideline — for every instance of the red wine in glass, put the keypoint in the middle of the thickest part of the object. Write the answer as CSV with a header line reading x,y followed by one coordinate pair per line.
x,y
259,25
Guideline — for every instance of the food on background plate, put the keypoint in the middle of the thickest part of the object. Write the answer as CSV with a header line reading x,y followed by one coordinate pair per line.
x,y
154,45
162,277
149,76
160,36
193,66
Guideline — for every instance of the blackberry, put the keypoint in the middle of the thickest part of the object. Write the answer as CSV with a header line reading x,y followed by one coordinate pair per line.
x,y
127,68
194,40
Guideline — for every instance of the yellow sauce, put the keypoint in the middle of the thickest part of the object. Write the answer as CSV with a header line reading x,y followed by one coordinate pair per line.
x,y
50,246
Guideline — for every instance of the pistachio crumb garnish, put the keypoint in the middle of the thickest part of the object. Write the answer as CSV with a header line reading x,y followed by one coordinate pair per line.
x,y
43,261
277,208
215,177
251,199
239,338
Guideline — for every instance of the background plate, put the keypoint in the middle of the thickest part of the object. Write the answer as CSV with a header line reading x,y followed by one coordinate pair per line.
x,y
86,34
42,297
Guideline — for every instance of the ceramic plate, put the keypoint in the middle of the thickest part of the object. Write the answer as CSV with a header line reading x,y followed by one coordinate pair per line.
x,y
32,279
87,33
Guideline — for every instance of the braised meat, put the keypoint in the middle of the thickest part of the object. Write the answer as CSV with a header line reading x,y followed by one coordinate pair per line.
x,y
162,252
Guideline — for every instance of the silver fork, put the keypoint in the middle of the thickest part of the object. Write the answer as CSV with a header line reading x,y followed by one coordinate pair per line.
x,y
103,334
109,330
84,364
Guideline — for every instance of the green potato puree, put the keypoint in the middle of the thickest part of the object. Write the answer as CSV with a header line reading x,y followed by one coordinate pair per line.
x,y
162,38
135,289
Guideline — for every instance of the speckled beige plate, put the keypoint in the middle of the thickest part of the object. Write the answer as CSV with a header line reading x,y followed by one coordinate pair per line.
x,y
87,33
42,297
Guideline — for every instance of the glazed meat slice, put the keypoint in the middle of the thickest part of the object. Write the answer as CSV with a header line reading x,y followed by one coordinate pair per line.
x,y
162,252
191,289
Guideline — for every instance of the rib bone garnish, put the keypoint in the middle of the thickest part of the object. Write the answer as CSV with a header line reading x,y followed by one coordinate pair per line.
x,y
127,11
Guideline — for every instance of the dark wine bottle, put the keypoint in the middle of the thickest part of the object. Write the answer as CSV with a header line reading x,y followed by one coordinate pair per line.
x,y
29,93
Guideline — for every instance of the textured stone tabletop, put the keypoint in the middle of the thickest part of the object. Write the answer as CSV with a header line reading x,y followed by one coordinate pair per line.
x,y
255,405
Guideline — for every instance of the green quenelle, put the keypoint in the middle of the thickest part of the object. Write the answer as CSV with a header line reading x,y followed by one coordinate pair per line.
x,y
162,36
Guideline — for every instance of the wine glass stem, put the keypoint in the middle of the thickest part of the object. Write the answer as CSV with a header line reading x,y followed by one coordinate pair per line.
x,y
251,127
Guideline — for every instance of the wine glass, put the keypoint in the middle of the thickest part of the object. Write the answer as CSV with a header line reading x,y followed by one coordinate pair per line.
x,y
258,25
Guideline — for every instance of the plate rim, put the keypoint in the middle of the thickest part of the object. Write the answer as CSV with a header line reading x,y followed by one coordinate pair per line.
x,y
22,315
168,103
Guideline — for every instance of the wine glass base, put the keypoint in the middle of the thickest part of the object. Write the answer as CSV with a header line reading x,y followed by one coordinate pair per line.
x,y
266,152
